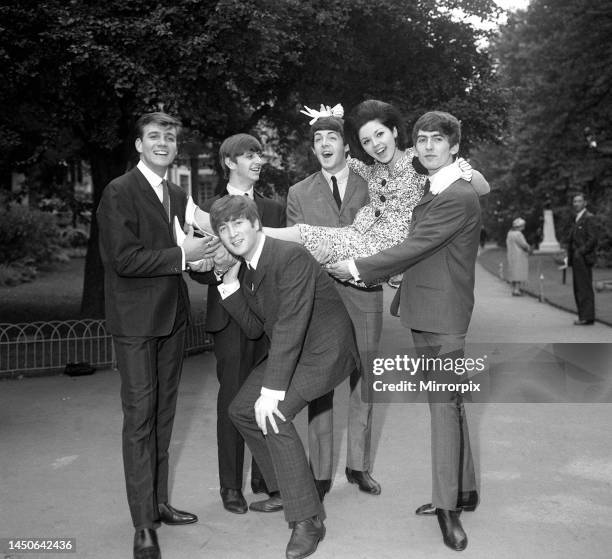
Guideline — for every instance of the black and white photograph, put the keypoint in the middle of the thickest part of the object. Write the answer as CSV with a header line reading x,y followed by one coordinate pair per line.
x,y
291,279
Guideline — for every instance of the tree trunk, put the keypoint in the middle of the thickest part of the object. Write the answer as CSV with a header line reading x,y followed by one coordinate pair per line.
x,y
105,166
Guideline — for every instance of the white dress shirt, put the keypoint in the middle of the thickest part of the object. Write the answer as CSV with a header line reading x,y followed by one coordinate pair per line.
x,y
239,192
341,178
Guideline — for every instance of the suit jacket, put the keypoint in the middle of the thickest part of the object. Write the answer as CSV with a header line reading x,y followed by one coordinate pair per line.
x,y
583,239
142,264
294,302
272,214
438,260
311,201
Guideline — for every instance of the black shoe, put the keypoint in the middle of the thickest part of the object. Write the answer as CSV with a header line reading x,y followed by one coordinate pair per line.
x,y
305,537
258,485
145,544
233,500
171,516
274,503
583,322
468,501
364,480
452,532
323,486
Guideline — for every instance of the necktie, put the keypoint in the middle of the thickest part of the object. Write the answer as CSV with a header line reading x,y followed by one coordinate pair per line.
x,y
166,198
249,276
426,187
336,192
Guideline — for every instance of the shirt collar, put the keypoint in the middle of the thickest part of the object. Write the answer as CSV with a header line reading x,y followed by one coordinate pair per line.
x,y
340,175
580,213
232,190
152,177
255,260
443,178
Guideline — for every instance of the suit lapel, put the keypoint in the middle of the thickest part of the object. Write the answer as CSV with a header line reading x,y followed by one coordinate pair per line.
x,y
149,194
425,199
263,264
259,202
323,187
351,189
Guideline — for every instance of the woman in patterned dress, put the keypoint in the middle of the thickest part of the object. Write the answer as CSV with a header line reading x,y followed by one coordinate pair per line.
x,y
376,138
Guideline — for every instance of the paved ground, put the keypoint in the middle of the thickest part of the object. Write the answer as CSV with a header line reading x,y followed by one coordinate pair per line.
x,y
546,469
547,282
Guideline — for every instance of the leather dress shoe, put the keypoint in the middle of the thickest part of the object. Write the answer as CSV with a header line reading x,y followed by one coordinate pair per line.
x,y
258,485
171,516
273,504
583,322
323,486
467,501
452,532
233,500
305,537
145,544
364,480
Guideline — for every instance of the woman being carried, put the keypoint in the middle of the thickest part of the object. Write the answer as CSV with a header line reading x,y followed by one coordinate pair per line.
x,y
376,137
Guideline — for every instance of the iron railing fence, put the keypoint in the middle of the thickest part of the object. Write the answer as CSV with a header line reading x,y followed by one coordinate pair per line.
x,y
47,347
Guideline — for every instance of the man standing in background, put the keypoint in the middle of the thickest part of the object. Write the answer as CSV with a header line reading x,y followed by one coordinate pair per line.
x,y
581,257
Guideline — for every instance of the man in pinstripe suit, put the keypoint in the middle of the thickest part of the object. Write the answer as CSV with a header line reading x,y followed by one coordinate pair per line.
x,y
285,295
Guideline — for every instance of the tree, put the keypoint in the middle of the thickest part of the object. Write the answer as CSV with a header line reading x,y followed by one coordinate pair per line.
x,y
555,62
85,71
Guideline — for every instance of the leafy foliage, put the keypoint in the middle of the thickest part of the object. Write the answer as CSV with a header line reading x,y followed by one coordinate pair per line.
x,y
555,63
79,72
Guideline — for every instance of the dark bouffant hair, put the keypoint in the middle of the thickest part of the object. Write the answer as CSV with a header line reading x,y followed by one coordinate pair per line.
x,y
363,113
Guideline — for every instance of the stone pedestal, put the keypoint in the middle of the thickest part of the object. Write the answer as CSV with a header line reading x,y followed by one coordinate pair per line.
x,y
549,242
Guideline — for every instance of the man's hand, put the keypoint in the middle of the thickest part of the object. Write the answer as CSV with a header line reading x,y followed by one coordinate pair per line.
x,y
322,253
466,169
340,270
232,274
266,407
198,248
204,265
223,258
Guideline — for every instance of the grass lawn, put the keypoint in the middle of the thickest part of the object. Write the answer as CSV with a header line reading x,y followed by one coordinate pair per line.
x,y
56,295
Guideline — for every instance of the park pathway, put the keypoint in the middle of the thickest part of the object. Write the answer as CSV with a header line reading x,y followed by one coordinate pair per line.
x,y
545,469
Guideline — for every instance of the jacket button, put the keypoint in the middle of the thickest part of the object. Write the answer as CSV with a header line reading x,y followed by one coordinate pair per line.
x,y
383,182
382,198
377,213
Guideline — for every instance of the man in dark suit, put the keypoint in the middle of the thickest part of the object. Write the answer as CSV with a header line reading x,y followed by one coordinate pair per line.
x,y
332,197
147,309
437,297
581,257
286,296
240,158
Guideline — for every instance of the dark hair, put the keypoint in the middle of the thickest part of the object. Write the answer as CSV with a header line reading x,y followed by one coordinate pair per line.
x,y
162,119
438,121
228,208
327,123
236,145
363,113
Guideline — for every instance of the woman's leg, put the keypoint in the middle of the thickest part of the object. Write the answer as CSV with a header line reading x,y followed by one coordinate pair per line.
x,y
284,233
